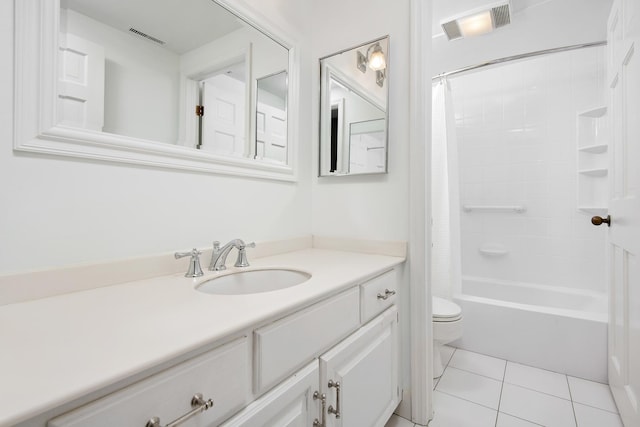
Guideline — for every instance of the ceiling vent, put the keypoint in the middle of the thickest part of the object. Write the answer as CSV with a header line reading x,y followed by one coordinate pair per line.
x,y
146,36
477,22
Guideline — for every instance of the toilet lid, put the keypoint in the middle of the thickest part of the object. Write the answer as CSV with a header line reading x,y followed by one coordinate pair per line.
x,y
445,309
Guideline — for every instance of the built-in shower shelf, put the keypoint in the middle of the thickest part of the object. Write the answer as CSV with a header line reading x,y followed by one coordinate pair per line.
x,y
592,160
595,149
594,172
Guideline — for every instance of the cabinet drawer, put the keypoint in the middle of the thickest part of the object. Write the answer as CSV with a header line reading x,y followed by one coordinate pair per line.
x,y
370,303
222,375
287,344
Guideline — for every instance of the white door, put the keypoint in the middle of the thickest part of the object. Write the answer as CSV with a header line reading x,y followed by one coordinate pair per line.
x,y
271,133
624,207
223,122
81,84
290,404
365,366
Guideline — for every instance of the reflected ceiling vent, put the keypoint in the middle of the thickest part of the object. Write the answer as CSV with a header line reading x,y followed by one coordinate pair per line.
x,y
477,22
146,36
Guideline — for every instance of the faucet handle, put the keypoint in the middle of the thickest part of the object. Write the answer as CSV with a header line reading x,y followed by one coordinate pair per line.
x,y
248,245
194,264
242,261
193,252
216,245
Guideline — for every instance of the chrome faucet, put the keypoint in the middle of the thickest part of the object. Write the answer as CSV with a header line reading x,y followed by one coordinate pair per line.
x,y
219,255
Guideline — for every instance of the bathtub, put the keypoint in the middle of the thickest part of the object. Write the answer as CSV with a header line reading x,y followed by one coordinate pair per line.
x,y
560,329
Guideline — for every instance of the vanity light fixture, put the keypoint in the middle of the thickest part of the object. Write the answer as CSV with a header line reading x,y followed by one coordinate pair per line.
x,y
477,22
374,58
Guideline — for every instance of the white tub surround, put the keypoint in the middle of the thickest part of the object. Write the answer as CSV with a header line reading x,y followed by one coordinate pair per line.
x,y
521,186
559,329
63,351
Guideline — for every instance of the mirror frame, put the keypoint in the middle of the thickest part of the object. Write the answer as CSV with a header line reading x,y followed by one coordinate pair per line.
x,y
327,71
36,129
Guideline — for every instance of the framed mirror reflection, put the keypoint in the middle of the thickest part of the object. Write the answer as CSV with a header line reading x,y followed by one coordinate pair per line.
x,y
354,93
174,84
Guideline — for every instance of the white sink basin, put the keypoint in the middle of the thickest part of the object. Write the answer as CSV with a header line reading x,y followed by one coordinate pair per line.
x,y
253,282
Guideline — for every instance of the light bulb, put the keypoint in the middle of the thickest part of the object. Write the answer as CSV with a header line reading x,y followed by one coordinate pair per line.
x,y
377,60
476,25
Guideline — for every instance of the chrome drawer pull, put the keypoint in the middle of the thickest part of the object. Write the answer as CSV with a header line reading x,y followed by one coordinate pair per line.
x,y
335,411
323,399
197,403
387,294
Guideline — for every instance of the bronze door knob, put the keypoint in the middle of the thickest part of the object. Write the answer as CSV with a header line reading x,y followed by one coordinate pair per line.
x,y
598,220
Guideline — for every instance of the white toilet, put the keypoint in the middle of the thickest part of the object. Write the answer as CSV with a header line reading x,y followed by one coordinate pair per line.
x,y
447,327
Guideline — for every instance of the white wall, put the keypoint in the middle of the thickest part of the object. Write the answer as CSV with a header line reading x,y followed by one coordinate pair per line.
x,y
59,211
267,57
370,207
516,128
141,81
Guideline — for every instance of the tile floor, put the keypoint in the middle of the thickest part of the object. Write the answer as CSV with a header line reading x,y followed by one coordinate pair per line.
x,y
477,391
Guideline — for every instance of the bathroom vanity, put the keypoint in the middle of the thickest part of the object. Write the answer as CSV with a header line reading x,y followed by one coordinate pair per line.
x,y
148,352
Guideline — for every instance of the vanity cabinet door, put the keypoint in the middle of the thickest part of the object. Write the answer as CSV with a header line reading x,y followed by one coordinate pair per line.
x,y
290,404
366,367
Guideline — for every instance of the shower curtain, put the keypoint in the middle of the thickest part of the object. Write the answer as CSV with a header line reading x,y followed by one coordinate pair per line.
x,y
446,267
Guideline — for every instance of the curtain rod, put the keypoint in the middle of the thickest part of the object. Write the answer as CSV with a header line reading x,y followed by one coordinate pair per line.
x,y
516,57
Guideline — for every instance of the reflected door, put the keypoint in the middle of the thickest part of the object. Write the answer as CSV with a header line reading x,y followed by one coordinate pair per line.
x,y
271,133
81,84
223,121
624,233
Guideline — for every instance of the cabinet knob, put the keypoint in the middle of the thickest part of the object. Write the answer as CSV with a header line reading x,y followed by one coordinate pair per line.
x,y
598,220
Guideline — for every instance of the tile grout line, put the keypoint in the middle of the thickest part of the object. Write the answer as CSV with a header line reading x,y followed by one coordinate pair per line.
x,y
595,407
573,408
523,419
450,357
475,373
504,374
445,367
587,404
541,392
467,400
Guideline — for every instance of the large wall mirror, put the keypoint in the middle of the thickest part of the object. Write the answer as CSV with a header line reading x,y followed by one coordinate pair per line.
x,y
354,93
197,84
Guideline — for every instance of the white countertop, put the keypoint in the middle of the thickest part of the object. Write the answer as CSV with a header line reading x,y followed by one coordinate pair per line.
x,y
58,349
